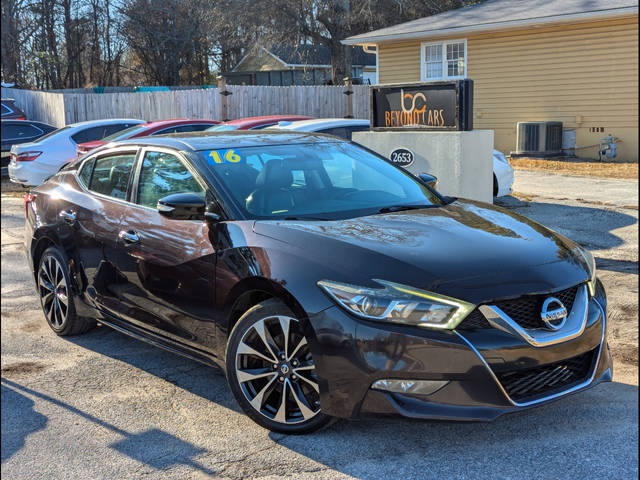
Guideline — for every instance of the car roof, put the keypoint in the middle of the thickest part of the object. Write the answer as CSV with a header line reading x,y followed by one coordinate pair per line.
x,y
197,141
104,121
322,123
265,118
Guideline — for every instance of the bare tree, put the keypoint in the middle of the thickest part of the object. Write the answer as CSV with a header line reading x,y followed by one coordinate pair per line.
x,y
77,43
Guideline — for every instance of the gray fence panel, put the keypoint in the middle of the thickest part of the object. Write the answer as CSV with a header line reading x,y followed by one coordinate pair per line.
x,y
67,107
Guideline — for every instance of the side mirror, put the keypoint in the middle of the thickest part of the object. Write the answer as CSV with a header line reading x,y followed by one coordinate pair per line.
x,y
182,206
430,180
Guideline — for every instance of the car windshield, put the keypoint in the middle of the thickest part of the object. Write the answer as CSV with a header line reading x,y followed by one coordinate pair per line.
x,y
327,181
222,128
51,134
121,134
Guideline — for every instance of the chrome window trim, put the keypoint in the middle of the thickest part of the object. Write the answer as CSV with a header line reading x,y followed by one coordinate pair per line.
x,y
574,326
557,394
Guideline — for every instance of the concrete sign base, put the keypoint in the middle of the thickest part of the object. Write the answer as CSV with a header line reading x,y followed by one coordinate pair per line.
x,y
462,161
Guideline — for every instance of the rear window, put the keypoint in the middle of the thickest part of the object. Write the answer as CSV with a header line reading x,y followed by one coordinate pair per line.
x,y
5,109
19,132
98,133
122,134
51,134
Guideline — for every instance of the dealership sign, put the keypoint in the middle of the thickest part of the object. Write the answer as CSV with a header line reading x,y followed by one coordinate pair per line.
x,y
423,106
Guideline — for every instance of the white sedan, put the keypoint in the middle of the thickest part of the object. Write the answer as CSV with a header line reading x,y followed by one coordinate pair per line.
x,y
344,127
32,163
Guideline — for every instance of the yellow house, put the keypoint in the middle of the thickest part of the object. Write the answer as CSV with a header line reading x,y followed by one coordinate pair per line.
x,y
574,61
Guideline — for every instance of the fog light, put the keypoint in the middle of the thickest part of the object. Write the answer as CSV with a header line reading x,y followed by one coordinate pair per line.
x,y
414,387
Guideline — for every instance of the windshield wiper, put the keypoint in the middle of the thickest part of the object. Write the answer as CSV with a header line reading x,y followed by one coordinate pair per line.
x,y
399,208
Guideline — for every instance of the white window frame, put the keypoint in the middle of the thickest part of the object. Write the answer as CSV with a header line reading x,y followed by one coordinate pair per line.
x,y
443,44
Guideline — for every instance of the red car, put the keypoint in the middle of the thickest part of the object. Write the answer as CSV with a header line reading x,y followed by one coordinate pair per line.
x,y
255,123
159,127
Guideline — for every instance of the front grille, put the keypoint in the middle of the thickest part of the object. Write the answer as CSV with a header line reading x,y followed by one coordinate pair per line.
x,y
547,379
525,311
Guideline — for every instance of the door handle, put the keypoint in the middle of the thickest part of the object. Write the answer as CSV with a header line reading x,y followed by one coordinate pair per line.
x,y
68,216
129,238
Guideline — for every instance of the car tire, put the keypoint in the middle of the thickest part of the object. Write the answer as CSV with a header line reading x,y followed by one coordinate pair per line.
x,y
56,296
495,186
273,379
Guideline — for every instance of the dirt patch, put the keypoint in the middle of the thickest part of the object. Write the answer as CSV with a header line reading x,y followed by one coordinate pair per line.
x,y
625,353
32,327
22,368
578,167
523,197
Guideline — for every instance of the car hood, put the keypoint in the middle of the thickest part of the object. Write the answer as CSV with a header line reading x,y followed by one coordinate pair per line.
x,y
466,249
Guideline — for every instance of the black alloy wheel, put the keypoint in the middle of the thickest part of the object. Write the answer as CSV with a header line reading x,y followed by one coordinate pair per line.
x,y
271,372
56,297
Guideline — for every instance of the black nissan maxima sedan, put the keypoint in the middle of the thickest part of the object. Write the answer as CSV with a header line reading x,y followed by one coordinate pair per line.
x,y
326,281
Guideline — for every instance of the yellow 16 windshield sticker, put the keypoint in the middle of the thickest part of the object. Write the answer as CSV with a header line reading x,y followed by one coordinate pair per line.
x,y
223,156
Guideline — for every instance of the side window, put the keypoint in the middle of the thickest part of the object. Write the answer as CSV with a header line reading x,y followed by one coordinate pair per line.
x,y
111,175
163,174
86,170
28,131
5,110
89,134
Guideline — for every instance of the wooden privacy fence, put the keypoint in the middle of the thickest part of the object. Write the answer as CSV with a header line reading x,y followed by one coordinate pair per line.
x,y
60,109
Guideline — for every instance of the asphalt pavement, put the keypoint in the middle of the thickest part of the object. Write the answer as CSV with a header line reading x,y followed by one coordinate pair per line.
x,y
103,405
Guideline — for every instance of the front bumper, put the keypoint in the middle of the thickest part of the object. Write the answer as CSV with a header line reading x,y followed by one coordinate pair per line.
x,y
350,355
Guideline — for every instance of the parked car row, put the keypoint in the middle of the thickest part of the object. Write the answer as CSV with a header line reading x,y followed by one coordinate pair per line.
x,y
34,159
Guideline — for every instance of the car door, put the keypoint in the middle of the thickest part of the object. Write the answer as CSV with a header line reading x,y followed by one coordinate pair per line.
x,y
169,263
91,215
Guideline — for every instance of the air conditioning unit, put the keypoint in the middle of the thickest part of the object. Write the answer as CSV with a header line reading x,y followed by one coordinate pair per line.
x,y
539,139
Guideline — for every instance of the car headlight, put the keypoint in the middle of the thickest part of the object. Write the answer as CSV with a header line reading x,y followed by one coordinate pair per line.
x,y
397,303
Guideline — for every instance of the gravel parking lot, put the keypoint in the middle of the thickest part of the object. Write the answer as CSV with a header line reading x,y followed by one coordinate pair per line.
x,y
103,405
